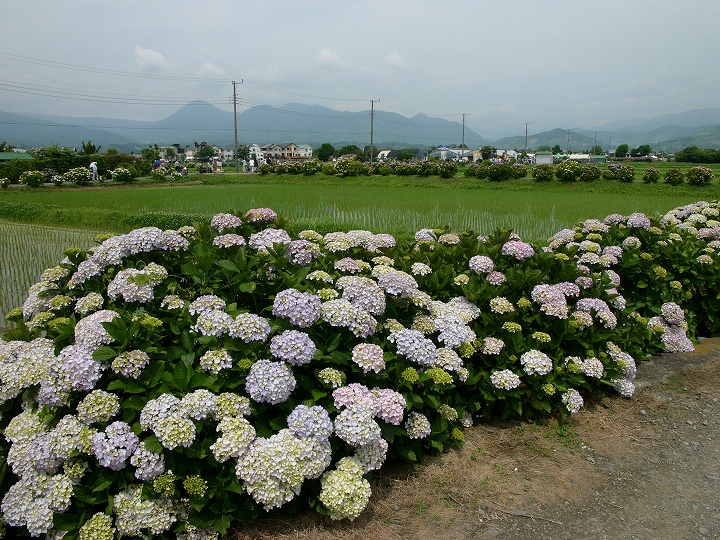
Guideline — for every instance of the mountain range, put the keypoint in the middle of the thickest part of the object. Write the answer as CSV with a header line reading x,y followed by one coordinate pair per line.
x,y
313,124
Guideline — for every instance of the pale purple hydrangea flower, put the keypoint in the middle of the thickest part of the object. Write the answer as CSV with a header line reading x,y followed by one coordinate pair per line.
x,y
228,240
355,426
425,235
518,249
301,309
397,283
90,302
369,357
389,405
310,422
414,346
221,222
302,252
592,367
89,331
270,382
115,445
149,465
452,329
496,278
624,387
362,292
294,347
267,238
199,404
572,400
480,264
638,221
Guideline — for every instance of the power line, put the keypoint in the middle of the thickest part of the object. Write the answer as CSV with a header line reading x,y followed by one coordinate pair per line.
x,y
74,67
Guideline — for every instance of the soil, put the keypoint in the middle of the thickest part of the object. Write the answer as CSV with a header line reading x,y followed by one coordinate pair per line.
x,y
640,468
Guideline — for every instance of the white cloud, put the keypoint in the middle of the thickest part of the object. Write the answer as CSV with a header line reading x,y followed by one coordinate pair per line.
x,y
208,69
328,57
150,61
394,60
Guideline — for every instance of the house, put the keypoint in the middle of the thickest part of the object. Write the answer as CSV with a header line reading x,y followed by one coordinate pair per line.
x,y
304,151
384,154
255,152
579,158
272,151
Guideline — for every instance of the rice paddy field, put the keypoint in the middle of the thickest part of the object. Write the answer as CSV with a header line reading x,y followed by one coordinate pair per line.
x,y
394,205
25,251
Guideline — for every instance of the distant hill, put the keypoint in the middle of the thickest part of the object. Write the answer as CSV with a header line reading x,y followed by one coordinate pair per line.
x,y
27,132
200,121
315,124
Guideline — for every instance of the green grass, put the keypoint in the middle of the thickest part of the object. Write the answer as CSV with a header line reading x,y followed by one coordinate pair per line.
x,y
382,204
25,251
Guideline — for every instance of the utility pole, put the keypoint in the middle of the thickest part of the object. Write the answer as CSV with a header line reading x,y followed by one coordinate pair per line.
x,y
462,146
235,100
526,125
595,143
372,119
568,146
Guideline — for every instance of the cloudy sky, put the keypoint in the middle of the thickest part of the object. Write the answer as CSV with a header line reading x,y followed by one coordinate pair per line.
x,y
557,63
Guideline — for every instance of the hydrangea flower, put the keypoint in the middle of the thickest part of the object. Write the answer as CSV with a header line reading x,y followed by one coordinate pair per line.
x,y
300,308
270,382
293,346
369,357
504,379
345,493
535,362
417,426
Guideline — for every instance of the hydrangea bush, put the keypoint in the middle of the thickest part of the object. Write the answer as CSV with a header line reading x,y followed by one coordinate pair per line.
x,y
170,382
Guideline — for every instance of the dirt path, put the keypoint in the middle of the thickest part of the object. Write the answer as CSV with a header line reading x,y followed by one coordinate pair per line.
x,y
644,468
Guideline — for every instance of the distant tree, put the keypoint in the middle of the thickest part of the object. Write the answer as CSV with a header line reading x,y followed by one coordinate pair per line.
x,y
693,154
170,153
405,155
622,150
243,153
349,149
89,148
3,146
151,153
205,153
364,154
544,148
556,149
325,151
644,150
488,152
596,150
111,152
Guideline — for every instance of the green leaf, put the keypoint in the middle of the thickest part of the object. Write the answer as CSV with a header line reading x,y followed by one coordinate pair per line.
x,y
86,495
104,353
65,522
247,287
152,443
228,265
